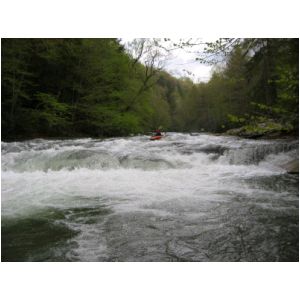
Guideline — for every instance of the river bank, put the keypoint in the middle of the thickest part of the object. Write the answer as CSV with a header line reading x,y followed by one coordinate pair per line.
x,y
264,131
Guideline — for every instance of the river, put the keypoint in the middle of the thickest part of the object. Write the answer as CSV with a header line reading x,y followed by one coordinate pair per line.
x,y
187,197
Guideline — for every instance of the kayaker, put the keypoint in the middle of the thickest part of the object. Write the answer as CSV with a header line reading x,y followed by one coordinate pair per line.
x,y
157,132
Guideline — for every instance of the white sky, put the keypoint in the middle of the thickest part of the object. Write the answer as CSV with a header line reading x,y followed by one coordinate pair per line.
x,y
182,62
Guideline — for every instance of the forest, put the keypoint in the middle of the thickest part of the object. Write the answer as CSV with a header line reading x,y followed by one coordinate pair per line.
x,y
100,88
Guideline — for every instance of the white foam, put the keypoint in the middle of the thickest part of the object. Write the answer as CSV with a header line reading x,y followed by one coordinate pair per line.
x,y
139,173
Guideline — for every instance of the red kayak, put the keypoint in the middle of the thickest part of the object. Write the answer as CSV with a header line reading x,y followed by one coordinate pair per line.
x,y
156,137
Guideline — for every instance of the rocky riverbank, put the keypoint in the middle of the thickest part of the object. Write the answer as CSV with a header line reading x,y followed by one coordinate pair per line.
x,y
267,130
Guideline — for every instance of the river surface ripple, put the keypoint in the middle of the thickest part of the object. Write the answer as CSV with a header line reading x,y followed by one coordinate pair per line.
x,y
187,197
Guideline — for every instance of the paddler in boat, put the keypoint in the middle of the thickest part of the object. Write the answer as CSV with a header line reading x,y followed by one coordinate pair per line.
x,y
157,132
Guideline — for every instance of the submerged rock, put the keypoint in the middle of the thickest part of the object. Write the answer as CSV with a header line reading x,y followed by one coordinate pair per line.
x,y
292,166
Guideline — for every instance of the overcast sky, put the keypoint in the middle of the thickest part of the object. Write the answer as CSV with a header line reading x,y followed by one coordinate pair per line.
x,y
182,62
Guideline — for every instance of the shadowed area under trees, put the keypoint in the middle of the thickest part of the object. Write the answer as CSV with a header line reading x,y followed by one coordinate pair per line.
x,y
96,87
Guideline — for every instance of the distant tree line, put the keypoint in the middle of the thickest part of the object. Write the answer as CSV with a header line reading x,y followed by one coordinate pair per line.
x,y
256,87
95,87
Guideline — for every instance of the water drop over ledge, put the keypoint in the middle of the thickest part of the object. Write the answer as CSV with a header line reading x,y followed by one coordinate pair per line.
x,y
183,198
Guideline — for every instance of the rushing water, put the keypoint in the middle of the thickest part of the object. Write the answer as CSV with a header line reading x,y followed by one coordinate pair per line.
x,y
184,198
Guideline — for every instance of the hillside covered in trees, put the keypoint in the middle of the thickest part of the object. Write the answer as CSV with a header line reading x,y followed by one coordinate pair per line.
x,y
97,87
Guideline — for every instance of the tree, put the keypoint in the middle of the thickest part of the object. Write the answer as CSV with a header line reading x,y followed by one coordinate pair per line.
x,y
16,80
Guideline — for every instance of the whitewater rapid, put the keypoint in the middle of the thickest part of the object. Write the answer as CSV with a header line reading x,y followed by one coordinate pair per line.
x,y
187,197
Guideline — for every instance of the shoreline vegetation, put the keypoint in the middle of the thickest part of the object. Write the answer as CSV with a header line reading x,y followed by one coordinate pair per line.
x,y
260,131
101,88
238,132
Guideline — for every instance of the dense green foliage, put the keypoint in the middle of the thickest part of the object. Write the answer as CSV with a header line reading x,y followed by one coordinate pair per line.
x,y
94,87
71,87
256,88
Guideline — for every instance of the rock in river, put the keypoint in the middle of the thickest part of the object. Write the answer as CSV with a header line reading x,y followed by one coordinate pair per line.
x,y
292,166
